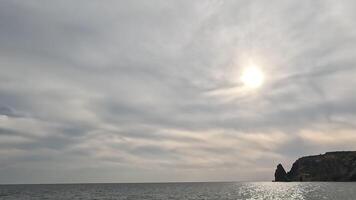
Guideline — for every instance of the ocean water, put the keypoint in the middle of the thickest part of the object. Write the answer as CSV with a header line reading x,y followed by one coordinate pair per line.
x,y
181,191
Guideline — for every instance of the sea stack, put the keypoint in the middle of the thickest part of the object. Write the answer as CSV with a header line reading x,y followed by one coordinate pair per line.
x,y
331,166
280,175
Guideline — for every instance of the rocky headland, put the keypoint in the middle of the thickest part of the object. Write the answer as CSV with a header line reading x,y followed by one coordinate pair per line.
x,y
331,166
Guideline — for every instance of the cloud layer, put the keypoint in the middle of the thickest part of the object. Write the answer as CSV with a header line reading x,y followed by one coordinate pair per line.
x,y
131,91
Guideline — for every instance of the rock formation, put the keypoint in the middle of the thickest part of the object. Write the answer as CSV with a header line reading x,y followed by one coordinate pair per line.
x,y
331,166
280,175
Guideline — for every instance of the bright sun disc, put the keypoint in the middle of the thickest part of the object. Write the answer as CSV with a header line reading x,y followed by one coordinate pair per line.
x,y
252,77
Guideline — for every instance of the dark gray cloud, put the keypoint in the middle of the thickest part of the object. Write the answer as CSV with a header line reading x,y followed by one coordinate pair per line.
x,y
8,111
150,91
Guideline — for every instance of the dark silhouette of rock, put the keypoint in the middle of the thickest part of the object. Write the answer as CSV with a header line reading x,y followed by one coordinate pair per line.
x,y
280,174
331,166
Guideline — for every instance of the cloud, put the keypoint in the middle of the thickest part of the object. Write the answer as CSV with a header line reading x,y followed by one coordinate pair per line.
x,y
140,91
343,138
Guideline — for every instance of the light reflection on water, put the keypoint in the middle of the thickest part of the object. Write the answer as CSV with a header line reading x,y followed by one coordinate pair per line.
x,y
183,191
298,191
273,191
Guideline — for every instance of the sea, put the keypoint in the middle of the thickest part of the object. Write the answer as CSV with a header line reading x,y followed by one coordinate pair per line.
x,y
182,191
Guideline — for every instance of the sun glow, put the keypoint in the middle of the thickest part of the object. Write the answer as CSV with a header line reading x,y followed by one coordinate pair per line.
x,y
252,77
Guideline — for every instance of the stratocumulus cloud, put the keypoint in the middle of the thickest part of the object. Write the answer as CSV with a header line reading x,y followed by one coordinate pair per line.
x,y
128,91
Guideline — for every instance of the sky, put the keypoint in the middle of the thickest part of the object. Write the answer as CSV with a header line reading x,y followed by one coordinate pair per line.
x,y
151,91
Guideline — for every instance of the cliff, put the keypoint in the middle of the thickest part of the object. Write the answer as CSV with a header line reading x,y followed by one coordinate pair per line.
x,y
331,166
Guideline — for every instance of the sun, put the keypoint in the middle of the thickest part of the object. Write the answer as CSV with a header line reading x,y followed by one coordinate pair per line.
x,y
252,77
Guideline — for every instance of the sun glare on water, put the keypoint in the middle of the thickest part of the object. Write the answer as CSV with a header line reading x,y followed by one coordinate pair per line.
x,y
252,77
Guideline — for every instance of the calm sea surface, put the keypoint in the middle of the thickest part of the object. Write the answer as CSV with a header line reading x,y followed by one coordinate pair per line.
x,y
171,191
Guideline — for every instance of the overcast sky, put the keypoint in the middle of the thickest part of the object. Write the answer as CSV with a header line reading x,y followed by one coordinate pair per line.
x,y
145,91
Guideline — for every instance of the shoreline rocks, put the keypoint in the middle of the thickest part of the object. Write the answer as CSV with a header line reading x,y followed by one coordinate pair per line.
x,y
331,166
